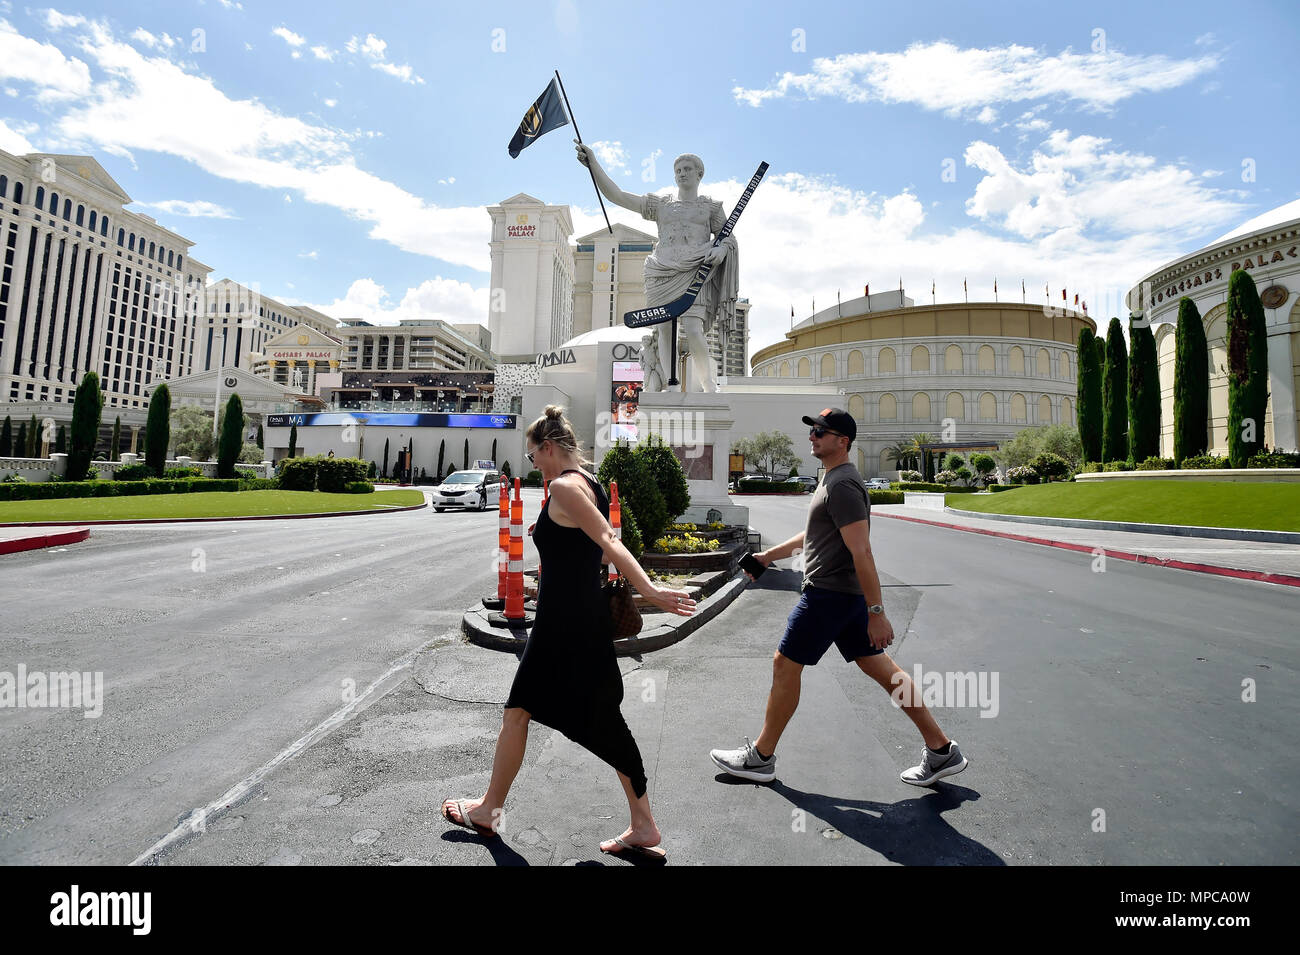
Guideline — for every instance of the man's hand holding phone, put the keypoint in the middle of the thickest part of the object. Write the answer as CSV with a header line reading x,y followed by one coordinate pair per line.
x,y
754,564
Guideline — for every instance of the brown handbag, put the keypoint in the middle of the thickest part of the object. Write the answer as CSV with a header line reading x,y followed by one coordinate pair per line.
x,y
623,612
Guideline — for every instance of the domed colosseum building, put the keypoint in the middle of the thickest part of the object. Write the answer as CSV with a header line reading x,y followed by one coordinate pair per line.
x,y
970,372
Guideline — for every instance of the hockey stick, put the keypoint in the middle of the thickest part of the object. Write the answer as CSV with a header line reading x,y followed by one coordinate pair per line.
x,y
674,309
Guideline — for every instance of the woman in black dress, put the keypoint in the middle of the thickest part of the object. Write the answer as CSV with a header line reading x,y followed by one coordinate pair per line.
x,y
568,678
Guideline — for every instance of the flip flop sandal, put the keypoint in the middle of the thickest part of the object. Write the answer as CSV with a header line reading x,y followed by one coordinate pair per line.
x,y
465,822
649,853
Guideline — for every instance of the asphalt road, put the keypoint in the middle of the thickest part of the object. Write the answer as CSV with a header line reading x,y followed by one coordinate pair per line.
x,y
1121,735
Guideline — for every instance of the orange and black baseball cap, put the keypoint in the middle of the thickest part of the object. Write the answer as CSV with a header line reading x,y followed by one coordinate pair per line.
x,y
837,420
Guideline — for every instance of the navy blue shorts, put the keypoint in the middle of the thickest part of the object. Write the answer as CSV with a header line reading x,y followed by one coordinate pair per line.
x,y
822,617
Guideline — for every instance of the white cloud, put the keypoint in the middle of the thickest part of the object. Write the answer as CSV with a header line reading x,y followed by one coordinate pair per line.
x,y
232,4
165,41
313,254
611,155
323,52
447,299
197,209
257,145
373,49
331,103
968,82
289,37
14,140
57,77
57,21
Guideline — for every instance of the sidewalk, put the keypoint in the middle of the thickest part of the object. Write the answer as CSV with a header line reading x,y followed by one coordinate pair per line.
x,y
13,540
1273,563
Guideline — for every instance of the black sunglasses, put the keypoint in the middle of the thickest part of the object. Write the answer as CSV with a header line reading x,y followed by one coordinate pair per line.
x,y
820,432
529,454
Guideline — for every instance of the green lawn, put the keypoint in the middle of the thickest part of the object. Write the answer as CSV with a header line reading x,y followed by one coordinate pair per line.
x,y
1273,506
201,504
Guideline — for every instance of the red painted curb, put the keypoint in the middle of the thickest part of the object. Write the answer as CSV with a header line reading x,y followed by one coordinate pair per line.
x,y
195,520
45,540
1264,577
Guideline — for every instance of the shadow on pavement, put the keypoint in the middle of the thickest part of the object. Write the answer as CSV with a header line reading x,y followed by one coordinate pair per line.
x,y
778,578
908,832
501,853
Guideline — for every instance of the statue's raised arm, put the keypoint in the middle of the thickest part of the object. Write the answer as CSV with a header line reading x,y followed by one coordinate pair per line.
x,y
612,192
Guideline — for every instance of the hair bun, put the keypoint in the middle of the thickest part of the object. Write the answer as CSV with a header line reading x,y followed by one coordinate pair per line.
x,y
555,412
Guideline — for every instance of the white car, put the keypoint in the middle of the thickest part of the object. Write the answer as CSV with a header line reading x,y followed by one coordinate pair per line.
x,y
877,484
477,489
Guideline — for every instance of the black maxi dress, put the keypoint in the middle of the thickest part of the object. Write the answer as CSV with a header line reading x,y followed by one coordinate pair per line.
x,y
568,678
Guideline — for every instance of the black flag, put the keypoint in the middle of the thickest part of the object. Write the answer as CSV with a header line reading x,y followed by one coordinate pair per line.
x,y
542,117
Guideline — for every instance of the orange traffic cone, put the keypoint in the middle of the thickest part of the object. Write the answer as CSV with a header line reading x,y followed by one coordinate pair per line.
x,y
615,520
515,615
503,549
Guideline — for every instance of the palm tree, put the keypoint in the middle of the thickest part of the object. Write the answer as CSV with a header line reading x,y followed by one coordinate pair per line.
x,y
918,439
900,454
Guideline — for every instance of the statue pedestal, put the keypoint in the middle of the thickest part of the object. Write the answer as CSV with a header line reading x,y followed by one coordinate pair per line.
x,y
697,426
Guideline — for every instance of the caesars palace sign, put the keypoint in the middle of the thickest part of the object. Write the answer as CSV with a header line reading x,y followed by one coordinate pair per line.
x,y
1158,293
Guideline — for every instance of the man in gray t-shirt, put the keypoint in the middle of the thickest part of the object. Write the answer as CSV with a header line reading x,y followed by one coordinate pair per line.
x,y
841,604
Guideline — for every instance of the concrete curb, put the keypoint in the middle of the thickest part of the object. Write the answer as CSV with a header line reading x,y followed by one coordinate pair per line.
x,y
195,520
36,542
1258,575
1170,530
479,632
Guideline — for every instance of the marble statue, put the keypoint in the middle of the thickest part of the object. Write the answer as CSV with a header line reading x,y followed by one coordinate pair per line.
x,y
687,226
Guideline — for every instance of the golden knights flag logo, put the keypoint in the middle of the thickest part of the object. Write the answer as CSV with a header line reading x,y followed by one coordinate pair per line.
x,y
543,116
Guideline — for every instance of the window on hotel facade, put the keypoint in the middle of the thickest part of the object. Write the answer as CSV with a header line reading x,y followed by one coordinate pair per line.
x,y
888,407
130,243
103,227
4,187
93,220
857,366
828,365
151,250
887,362
1044,361
18,193
921,407
921,359
67,210
40,197
1016,362
955,406
81,215
985,359
121,236
54,203
988,407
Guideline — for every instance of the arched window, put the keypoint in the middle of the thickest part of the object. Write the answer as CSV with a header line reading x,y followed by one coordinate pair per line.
x,y
93,220
1015,361
805,368
4,186
103,227
887,362
985,360
952,358
1044,363
18,193
857,366
988,407
888,407
1067,411
179,260
130,244
40,197
54,203
785,369
921,407
955,406
828,365
1044,410
920,359
1066,368
1018,415
170,256
857,407
67,210
151,250
81,214
121,236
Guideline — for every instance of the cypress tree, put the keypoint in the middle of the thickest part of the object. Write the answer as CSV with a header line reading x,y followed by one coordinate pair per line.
x,y
117,439
7,438
1099,343
33,438
442,447
61,442
232,437
293,442
385,471
1088,395
158,429
1114,397
494,452
21,443
261,442
637,487
666,472
1247,369
87,407
1191,384
1143,394
467,454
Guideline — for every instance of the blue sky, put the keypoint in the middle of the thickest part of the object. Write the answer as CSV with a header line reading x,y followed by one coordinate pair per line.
x,y
341,155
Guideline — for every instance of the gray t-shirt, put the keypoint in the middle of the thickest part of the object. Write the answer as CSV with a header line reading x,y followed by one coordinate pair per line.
x,y
840,499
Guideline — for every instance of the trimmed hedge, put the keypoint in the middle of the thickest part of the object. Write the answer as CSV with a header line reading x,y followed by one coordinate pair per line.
x,y
333,475
52,490
259,484
175,473
134,472
885,497
358,487
761,486
298,474
995,488
924,486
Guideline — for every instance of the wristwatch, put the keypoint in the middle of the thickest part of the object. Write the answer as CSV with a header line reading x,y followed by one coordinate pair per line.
x,y
875,608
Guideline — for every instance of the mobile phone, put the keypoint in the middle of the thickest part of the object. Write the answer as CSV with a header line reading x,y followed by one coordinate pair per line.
x,y
752,566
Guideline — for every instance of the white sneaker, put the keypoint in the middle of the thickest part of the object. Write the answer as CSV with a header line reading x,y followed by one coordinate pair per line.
x,y
745,763
934,766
